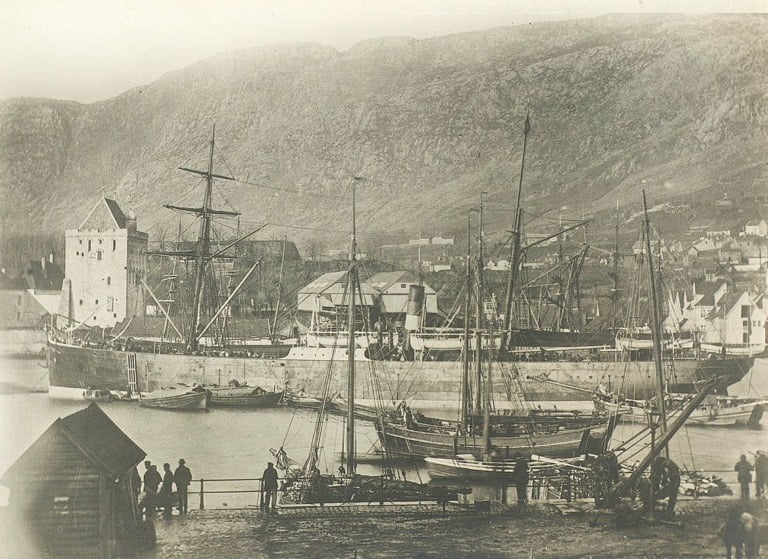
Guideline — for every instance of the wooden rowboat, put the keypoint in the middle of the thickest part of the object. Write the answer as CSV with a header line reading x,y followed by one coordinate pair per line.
x,y
177,399
243,396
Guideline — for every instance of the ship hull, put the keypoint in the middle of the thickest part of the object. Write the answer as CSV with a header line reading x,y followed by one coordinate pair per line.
x,y
426,384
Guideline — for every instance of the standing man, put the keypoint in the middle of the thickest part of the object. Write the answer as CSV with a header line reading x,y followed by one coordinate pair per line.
x,y
269,485
521,476
744,470
761,472
152,481
166,490
182,477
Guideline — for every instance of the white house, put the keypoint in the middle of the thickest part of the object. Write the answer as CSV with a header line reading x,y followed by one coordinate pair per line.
x,y
756,227
393,289
105,266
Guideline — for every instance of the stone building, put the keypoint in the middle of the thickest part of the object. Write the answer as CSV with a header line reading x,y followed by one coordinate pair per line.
x,y
105,266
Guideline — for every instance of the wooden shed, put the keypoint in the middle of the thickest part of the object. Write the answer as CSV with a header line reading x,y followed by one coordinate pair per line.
x,y
73,491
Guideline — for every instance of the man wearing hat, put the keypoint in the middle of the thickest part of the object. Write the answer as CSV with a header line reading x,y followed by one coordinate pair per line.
x,y
269,481
182,477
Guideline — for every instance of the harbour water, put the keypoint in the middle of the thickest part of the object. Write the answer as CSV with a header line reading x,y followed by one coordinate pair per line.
x,y
223,443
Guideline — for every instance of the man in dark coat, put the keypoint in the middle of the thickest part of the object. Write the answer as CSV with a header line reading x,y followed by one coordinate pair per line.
x,y
744,469
269,486
152,481
166,490
521,476
182,477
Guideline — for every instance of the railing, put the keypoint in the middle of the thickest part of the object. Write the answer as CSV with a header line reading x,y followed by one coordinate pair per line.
x,y
202,491
575,485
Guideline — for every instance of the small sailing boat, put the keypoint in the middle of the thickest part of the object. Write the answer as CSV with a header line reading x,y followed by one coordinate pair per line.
x,y
306,484
479,431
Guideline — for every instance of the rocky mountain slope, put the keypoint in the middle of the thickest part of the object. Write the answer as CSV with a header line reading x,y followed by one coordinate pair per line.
x,y
673,104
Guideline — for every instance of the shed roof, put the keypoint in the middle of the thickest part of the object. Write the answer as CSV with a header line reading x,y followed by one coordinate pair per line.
x,y
97,436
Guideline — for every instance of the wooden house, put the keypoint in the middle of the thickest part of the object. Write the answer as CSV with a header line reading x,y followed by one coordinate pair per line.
x,y
73,489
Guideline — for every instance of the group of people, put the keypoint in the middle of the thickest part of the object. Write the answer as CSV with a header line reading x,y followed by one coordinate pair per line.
x,y
158,489
744,470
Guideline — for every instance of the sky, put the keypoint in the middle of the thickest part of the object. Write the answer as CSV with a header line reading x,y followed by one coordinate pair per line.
x,y
88,50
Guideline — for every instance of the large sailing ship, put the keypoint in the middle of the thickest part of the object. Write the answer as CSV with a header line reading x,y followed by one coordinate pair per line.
x,y
426,381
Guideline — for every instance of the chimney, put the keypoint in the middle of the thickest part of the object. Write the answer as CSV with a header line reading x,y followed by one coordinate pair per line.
x,y
51,256
42,263
130,222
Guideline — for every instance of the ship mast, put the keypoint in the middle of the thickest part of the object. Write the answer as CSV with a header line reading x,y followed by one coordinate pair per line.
x,y
479,310
655,321
351,286
514,255
466,401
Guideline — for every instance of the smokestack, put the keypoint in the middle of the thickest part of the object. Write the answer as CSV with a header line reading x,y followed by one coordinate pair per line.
x,y
415,306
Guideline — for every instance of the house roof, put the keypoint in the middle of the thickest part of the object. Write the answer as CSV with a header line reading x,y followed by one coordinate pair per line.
x,y
113,209
382,281
96,436
38,277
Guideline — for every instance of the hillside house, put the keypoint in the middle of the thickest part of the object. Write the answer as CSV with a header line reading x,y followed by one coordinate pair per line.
x,y
719,317
73,489
757,227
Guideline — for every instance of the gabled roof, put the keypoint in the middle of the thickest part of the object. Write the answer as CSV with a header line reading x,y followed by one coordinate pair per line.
x,y
382,281
114,212
96,436
726,304
325,282
707,291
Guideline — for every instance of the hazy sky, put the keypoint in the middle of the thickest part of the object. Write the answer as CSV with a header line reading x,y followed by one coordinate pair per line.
x,y
94,49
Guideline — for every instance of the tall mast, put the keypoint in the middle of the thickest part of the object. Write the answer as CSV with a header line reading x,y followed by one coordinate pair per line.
x,y
655,321
479,311
466,402
202,251
351,286
279,291
514,254
203,248
615,274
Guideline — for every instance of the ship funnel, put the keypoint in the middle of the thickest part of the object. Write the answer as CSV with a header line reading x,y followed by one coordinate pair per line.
x,y
415,306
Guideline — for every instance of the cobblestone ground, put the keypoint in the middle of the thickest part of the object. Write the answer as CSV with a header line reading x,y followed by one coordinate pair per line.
x,y
542,532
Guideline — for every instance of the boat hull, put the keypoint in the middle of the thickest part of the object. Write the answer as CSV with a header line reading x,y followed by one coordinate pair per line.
x,y
430,383
400,441
243,397
183,401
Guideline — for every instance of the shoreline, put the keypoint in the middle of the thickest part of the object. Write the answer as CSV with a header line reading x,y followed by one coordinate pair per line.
x,y
547,530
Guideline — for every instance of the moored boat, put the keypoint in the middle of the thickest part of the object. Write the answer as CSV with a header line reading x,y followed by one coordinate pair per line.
x,y
176,399
243,396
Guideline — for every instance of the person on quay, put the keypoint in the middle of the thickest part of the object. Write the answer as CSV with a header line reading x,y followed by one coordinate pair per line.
x,y
166,491
761,472
521,476
269,485
182,477
152,482
744,469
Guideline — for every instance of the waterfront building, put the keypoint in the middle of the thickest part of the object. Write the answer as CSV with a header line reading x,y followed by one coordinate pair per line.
x,y
105,267
73,488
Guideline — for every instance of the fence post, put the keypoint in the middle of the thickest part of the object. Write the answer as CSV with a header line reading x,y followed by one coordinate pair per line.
x,y
202,494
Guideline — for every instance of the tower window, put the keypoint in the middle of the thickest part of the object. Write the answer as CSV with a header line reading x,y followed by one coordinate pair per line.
x,y
114,245
98,255
109,280
89,245
97,301
81,301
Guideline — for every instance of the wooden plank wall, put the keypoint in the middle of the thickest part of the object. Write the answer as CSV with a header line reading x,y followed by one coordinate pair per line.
x,y
56,468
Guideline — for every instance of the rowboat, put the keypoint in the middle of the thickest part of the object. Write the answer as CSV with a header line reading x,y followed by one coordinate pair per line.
x,y
196,398
243,397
